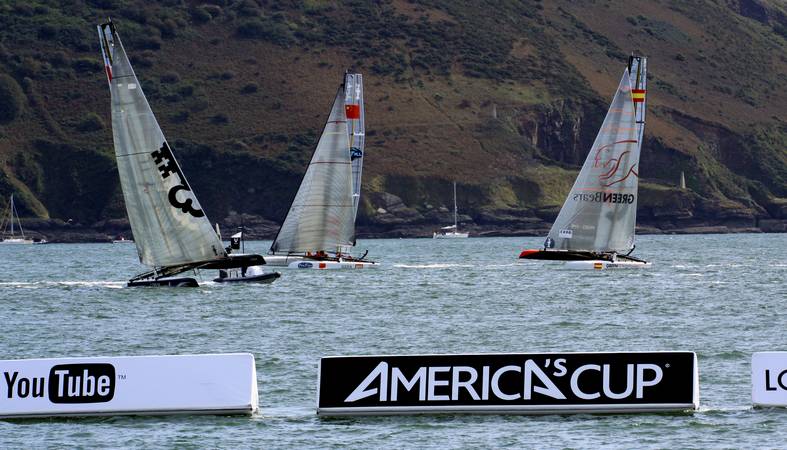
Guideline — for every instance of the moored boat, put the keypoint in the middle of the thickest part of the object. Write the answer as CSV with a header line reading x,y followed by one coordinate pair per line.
x,y
9,222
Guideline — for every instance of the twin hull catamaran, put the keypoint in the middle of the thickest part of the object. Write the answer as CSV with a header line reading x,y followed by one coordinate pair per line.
x,y
171,231
319,229
595,226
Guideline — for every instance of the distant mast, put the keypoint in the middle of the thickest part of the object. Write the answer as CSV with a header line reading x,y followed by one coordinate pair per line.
x,y
455,221
682,180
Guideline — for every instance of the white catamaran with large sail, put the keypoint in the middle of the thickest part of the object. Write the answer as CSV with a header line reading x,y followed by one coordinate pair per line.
x,y
595,228
319,229
451,231
171,231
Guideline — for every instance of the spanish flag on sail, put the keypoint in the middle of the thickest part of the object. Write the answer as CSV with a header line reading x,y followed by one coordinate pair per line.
x,y
638,95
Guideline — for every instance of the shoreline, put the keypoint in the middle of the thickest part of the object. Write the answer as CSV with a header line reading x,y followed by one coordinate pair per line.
x,y
58,232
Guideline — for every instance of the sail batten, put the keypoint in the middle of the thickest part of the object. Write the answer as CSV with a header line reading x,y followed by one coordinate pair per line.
x,y
599,214
170,228
322,215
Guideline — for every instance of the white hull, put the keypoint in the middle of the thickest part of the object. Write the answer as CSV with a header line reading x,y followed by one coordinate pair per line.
x,y
450,235
300,262
604,265
16,242
280,261
333,265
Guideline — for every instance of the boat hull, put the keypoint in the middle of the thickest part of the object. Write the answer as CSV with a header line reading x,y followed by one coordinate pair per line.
x,y
450,235
165,282
281,261
300,262
262,278
606,265
332,265
17,242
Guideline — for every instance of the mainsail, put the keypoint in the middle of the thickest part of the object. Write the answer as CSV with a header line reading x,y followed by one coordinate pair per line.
x,y
169,225
353,105
321,218
600,212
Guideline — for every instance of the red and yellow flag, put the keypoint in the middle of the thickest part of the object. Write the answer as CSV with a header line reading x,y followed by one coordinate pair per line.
x,y
638,95
353,111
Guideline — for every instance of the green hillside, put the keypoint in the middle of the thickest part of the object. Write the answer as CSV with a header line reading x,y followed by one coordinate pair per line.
x,y
504,97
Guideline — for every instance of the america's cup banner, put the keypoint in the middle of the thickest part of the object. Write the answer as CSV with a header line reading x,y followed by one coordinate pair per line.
x,y
537,383
184,384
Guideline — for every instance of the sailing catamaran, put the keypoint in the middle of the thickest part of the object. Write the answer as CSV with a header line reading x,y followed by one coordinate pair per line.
x,y
451,231
595,227
171,231
9,235
319,229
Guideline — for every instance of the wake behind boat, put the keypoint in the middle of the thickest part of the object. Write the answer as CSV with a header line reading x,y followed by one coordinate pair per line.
x,y
172,233
319,229
595,227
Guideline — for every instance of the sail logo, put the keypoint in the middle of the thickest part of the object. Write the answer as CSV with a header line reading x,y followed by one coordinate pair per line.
x,y
604,197
66,383
167,166
612,166
386,382
355,153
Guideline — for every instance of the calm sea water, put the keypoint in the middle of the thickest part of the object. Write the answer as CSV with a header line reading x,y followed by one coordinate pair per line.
x,y
723,296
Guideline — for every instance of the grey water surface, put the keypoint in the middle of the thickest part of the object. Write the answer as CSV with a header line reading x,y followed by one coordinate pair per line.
x,y
723,296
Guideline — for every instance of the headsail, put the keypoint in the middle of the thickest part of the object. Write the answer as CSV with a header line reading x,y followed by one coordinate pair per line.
x,y
600,212
169,225
356,130
321,216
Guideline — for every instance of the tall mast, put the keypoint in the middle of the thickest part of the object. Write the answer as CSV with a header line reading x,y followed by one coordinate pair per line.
x,y
455,229
13,211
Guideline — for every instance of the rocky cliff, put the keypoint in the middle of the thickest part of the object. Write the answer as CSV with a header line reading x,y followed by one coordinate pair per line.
x,y
505,99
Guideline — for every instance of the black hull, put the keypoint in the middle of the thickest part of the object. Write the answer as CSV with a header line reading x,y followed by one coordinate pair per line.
x,y
264,278
567,255
169,282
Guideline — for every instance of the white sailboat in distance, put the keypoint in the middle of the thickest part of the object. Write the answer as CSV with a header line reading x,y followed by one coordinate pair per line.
x,y
595,227
451,231
319,229
171,231
9,235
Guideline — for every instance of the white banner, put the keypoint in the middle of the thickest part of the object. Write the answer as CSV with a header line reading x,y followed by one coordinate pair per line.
x,y
769,379
185,384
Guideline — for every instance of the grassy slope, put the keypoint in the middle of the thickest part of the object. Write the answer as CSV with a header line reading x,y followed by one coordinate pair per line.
x,y
434,71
